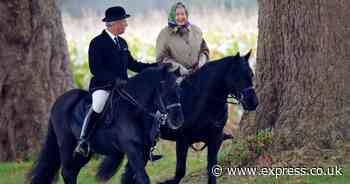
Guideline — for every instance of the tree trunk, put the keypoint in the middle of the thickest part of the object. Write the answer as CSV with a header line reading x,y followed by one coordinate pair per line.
x,y
33,72
303,74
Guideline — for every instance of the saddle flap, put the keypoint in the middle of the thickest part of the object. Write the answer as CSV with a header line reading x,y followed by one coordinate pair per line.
x,y
83,107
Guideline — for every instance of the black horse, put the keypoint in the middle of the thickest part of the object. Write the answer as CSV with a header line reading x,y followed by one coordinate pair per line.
x,y
204,101
152,90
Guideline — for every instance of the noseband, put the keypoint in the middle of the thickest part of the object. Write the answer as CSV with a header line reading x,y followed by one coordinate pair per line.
x,y
239,97
162,114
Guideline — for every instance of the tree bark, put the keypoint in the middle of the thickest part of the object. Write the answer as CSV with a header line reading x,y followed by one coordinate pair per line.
x,y
303,74
33,72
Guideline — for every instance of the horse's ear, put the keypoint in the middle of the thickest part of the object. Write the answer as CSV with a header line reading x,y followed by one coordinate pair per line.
x,y
248,55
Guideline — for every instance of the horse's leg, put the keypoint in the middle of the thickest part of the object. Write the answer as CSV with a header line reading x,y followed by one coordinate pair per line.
x,y
71,164
128,175
214,144
181,156
137,164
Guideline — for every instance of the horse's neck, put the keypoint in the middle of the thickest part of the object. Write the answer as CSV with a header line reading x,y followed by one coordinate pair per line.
x,y
209,86
139,91
211,81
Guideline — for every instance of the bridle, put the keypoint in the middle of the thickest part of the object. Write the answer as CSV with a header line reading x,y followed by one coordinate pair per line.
x,y
239,97
161,115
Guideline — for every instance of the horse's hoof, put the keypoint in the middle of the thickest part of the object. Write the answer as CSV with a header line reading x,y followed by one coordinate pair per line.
x,y
156,157
227,136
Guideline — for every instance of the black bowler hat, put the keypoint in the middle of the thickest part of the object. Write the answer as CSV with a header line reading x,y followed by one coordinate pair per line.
x,y
115,13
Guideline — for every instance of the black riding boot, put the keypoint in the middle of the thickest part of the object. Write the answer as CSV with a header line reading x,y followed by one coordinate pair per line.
x,y
83,147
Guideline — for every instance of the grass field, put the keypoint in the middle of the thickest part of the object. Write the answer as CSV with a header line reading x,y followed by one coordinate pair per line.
x,y
14,173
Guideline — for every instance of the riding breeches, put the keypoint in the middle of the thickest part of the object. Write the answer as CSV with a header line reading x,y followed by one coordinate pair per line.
x,y
99,99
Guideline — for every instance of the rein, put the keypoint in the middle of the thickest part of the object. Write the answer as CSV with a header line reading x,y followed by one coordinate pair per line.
x,y
160,115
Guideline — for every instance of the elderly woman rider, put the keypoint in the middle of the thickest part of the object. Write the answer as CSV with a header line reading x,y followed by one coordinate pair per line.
x,y
181,43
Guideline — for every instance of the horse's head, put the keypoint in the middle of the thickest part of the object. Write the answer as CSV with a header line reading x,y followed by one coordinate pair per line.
x,y
239,82
169,98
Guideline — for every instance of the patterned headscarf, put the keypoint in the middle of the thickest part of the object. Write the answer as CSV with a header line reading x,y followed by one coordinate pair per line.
x,y
172,17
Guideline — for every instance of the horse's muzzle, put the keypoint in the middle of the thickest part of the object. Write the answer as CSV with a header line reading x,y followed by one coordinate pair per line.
x,y
250,100
175,117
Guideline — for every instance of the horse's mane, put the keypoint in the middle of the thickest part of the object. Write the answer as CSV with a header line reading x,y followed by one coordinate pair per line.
x,y
145,82
209,69
149,76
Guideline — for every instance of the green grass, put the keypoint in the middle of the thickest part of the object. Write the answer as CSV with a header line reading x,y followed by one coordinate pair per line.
x,y
14,173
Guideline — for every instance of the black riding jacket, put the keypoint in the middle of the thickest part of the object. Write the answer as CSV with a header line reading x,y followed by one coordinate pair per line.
x,y
108,62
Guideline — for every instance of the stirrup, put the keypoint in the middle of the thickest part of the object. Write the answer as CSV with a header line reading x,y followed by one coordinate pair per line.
x,y
153,156
79,150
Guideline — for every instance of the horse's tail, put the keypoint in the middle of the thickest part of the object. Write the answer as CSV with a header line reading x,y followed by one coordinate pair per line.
x,y
109,166
48,163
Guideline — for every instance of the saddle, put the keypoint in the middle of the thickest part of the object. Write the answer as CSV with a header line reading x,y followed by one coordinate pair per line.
x,y
81,109
85,103
106,118
83,106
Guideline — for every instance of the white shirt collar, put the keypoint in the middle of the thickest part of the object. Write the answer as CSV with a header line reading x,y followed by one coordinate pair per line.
x,y
111,35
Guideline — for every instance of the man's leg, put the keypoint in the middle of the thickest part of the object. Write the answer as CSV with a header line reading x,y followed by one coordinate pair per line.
x,y
99,98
